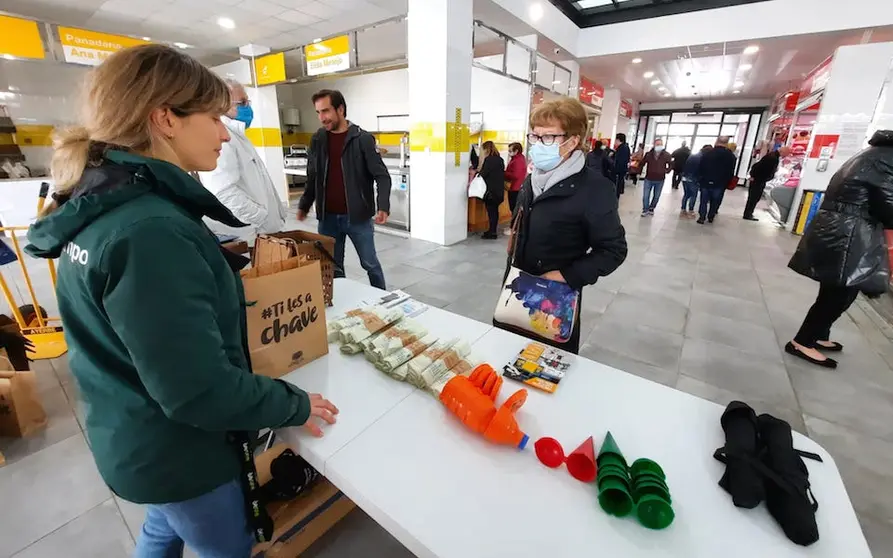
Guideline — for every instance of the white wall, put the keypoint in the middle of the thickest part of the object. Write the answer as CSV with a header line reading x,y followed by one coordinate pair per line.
x,y
505,104
368,96
552,22
776,18
43,93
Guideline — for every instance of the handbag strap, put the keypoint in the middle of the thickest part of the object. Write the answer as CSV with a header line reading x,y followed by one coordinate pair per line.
x,y
516,226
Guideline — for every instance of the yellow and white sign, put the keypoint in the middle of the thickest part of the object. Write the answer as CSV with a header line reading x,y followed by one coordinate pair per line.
x,y
90,47
20,38
270,68
325,57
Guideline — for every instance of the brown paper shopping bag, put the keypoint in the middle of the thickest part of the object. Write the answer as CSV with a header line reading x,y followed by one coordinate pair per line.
x,y
21,413
286,314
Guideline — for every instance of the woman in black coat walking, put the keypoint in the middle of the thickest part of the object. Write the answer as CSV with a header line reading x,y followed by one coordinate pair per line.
x,y
492,170
844,247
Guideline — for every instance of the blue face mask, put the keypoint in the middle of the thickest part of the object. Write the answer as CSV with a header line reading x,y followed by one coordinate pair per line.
x,y
244,113
545,157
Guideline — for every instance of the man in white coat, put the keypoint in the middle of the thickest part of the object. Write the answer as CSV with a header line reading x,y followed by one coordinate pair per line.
x,y
241,181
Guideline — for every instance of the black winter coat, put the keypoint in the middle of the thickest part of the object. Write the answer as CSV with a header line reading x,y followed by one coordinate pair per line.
x,y
764,170
599,161
493,173
573,227
844,244
717,168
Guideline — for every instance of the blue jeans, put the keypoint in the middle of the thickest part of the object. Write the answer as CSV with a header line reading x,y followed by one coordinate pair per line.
x,y
689,192
214,525
649,201
362,235
710,200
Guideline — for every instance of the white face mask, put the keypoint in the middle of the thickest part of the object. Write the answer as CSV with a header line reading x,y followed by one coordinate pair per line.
x,y
658,148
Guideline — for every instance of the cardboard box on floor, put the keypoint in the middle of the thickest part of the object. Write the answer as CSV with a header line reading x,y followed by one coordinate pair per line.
x,y
21,413
300,522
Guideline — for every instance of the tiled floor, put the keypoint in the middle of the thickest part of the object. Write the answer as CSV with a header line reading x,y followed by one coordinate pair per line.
x,y
706,309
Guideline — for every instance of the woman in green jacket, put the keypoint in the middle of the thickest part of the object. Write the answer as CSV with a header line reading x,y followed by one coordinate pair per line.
x,y
153,308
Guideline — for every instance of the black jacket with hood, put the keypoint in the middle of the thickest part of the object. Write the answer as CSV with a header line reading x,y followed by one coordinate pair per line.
x,y
362,166
493,173
844,244
573,227
764,170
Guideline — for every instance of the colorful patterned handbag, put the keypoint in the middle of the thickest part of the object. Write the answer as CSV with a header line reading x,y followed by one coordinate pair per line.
x,y
545,308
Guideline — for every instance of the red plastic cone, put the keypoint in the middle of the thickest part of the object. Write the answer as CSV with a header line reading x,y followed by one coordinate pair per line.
x,y
581,463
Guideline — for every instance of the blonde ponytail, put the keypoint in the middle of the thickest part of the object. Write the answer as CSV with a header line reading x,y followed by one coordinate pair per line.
x,y
71,149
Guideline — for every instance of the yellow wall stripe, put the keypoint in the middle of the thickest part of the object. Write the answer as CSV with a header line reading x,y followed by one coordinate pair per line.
x,y
34,135
442,137
264,137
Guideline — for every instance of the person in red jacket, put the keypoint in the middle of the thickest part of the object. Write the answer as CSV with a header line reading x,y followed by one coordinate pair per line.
x,y
515,172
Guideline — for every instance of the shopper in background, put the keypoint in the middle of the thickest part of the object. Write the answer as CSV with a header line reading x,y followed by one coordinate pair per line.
x,y
599,161
241,181
515,172
760,174
621,163
492,170
844,248
680,156
153,307
342,166
714,174
635,164
690,182
569,228
657,164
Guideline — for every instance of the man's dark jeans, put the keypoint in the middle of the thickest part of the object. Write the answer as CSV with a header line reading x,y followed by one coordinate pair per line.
x,y
362,235
710,200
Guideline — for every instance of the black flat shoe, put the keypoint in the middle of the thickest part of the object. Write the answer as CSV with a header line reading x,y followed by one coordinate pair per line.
x,y
834,347
792,350
750,218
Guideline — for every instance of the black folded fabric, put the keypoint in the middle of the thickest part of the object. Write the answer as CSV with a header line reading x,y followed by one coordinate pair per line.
x,y
788,495
740,454
291,476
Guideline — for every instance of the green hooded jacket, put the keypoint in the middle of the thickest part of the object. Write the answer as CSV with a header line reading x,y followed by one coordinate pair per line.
x,y
154,317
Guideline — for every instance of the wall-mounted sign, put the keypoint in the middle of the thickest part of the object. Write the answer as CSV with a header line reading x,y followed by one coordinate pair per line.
x,y
90,47
20,38
591,92
817,79
626,109
325,57
270,68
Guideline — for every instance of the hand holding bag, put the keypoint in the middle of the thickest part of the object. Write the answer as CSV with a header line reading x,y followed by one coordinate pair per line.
x,y
477,188
545,308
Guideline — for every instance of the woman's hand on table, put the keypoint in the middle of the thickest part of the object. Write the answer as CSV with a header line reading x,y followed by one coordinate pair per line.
x,y
554,276
322,408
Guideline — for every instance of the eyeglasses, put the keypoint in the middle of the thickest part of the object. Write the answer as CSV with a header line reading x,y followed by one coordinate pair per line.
x,y
545,139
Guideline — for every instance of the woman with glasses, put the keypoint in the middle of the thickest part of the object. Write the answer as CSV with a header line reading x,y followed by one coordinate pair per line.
x,y
492,170
568,227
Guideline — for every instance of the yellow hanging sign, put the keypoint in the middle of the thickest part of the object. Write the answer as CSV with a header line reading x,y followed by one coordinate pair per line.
x,y
90,47
270,68
20,38
325,57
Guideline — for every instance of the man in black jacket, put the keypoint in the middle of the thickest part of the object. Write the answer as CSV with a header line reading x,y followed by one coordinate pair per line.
x,y
714,174
621,163
680,157
761,173
343,193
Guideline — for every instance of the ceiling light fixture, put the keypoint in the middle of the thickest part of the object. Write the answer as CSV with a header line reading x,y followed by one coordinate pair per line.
x,y
752,49
668,94
147,38
735,92
745,67
9,57
536,12
739,84
637,60
655,82
556,82
181,45
648,75
226,23
317,41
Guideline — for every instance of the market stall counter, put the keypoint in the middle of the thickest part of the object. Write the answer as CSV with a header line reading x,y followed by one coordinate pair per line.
x,y
445,492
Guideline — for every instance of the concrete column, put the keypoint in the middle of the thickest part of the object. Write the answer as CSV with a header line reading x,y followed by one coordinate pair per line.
x,y
440,56
608,122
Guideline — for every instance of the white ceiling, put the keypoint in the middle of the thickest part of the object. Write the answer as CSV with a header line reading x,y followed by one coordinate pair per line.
x,y
274,23
780,64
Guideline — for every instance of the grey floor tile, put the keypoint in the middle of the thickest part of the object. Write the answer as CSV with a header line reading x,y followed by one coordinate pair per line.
x,y
640,342
734,333
61,425
678,290
357,535
834,395
49,489
99,533
879,535
429,300
651,309
723,397
400,276
442,287
62,370
729,285
75,402
629,365
865,464
46,376
133,515
730,307
747,374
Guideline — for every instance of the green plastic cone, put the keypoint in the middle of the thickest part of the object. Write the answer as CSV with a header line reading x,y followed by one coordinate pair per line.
x,y
609,446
